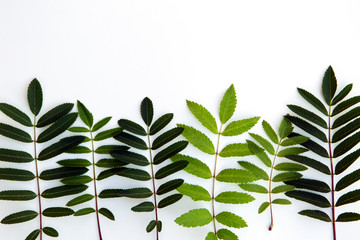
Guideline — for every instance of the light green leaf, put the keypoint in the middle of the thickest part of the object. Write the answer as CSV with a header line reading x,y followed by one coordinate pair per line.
x,y
169,200
228,104
79,200
203,115
294,141
286,176
170,169
16,114
85,115
57,212
264,143
13,174
195,218
83,211
195,192
195,166
291,167
198,139
106,213
259,152
254,188
234,198
17,195
231,220
211,236
235,150
160,123
270,132
235,176
144,207
258,172
35,96
19,217
14,156
238,127
329,85
281,201
285,128
282,188
132,127
263,207
100,124
15,133
147,111
169,186
226,234
291,151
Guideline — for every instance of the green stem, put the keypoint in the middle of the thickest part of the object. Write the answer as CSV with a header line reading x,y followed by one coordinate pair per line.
x,y
95,189
270,181
332,176
153,183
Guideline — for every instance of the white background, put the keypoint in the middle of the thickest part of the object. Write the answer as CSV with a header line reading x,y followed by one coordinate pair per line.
x,y
111,54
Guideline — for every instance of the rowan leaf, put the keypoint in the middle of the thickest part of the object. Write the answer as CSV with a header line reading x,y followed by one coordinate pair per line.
x,y
131,140
211,236
317,214
348,217
235,150
329,85
17,195
169,186
57,212
264,143
61,191
195,166
308,197
130,193
147,111
60,147
258,172
19,217
241,126
346,130
253,188
263,207
130,157
347,180
13,174
286,176
107,134
281,201
291,151
144,207
152,224
315,102
35,96
166,137
107,213
310,163
169,200
232,197
346,145
291,167
80,199
14,156
84,211
312,117
226,234
235,176
345,105
198,139
228,104
136,174
203,115
85,115
342,94
79,150
310,184
347,117
132,127
294,141
62,172
195,192
231,220
195,218
285,128
15,133
100,124
309,128
76,180
346,162
110,163
270,132
77,162
170,151
259,152
16,114
282,188
349,197
33,235
160,123
170,169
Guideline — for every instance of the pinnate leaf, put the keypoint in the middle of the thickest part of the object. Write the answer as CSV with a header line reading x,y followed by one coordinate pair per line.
x,y
234,198
147,111
19,217
160,123
228,104
170,169
203,115
238,127
14,133
317,214
254,188
35,96
235,176
311,198
195,166
348,217
235,150
107,213
85,115
169,200
195,218
198,139
231,220
15,114
132,127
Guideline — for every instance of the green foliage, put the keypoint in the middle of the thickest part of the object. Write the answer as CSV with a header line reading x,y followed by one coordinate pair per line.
x,y
202,141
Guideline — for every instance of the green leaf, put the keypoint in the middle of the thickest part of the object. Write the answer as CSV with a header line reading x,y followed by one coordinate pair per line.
x,y
100,124
63,191
285,128
294,141
346,145
203,115
211,236
329,85
144,207
147,111
78,130
152,224
79,150
107,149
235,150
198,139
286,176
160,123
62,172
259,152
60,147
169,200
169,151
35,96
76,180
228,104
195,218
106,213
166,137
263,207
238,127
84,211
195,192
316,148
264,143
231,220
349,197
235,176
234,198
57,212
315,102
254,188
346,162
226,234
17,195
16,114
169,186
320,215
195,166
307,127
13,174
310,163
291,151
170,169
270,132
51,232
342,94
282,188
136,174
132,127
130,157
110,163
346,130
15,133
345,105
347,117
291,167
258,172
14,156
77,162
33,235
105,174
281,201
54,114
19,217
79,200
84,114
312,117
348,217
308,197
131,140
107,134
348,180
130,193
310,184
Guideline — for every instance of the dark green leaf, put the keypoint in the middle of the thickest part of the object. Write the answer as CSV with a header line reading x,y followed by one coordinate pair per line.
x,y
13,174
234,198
33,235
264,143
320,215
100,124
170,151
294,141
63,191
136,174
62,172
15,133
76,180
107,134
254,188
348,217
292,167
152,224
105,174
258,172
50,232
107,149
195,166
14,156
312,117
346,145
106,213
315,147
203,115
315,102
195,218
147,111
79,200
130,157
19,217
238,127
270,132
346,162
160,123
342,94
310,184
85,115
226,234
281,201
144,207
169,200
195,192
346,130
348,180
329,85
263,207
308,197
310,162
349,197
307,127
166,137
231,220
78,130
286,176
54,114
132,127
259,152
198,139
16,114
79,150
17,195
170,169
60,147
169,186
77,162
345,105
110,163
130,193
235,150
285,128
35,96
235,176
228,104
282,188
131,140
84,211
347,117
57,212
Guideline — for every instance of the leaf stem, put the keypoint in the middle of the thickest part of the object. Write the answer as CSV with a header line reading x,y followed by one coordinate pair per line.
x,y
270,181
95,189
214,180
153,183
332,175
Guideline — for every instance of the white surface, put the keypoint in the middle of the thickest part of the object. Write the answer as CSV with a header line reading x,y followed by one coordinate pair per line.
x,y
111,54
